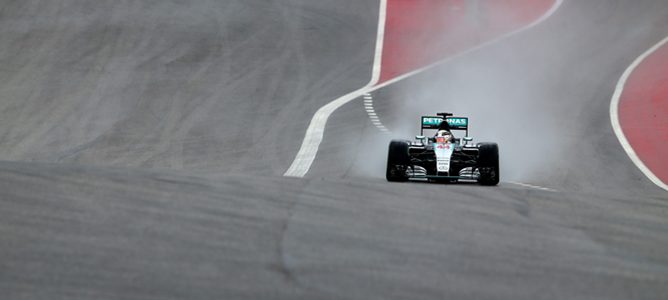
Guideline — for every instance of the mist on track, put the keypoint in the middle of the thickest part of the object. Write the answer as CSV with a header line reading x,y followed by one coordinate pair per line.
x,y
510,110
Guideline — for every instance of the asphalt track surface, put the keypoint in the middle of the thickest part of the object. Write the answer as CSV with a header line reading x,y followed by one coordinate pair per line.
x,y
143,143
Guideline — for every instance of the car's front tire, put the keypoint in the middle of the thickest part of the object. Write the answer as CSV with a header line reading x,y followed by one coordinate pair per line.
x,y
398,160
488,164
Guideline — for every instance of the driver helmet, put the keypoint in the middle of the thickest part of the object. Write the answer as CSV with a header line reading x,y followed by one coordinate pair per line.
x,y
444,134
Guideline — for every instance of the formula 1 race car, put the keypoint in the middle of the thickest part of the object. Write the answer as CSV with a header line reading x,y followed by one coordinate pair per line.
x,y
443,158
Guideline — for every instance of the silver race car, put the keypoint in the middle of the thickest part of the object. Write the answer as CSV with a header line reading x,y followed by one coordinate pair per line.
x,y
442,157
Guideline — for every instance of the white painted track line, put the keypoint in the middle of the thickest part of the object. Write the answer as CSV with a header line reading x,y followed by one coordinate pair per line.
x,y
371,113
536,187
315,132
316,128
614,116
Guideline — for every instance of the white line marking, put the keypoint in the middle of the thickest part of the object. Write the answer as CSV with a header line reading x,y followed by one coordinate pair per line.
x,y
316,129
614,116
533,186
372,113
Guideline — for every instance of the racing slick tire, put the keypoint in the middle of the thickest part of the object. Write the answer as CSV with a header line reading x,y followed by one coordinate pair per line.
x,y
488,164
398,161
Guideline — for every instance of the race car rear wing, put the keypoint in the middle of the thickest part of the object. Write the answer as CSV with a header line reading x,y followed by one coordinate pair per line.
x,y
456,123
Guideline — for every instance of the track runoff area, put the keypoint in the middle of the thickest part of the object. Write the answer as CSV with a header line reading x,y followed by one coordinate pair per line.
x,y
639,113
468,26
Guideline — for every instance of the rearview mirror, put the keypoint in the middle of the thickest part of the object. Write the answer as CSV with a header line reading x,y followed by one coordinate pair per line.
x,y
420,137
468,139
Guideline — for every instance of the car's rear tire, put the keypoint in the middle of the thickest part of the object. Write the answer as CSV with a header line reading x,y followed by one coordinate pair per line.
x,y
488,164
398,160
